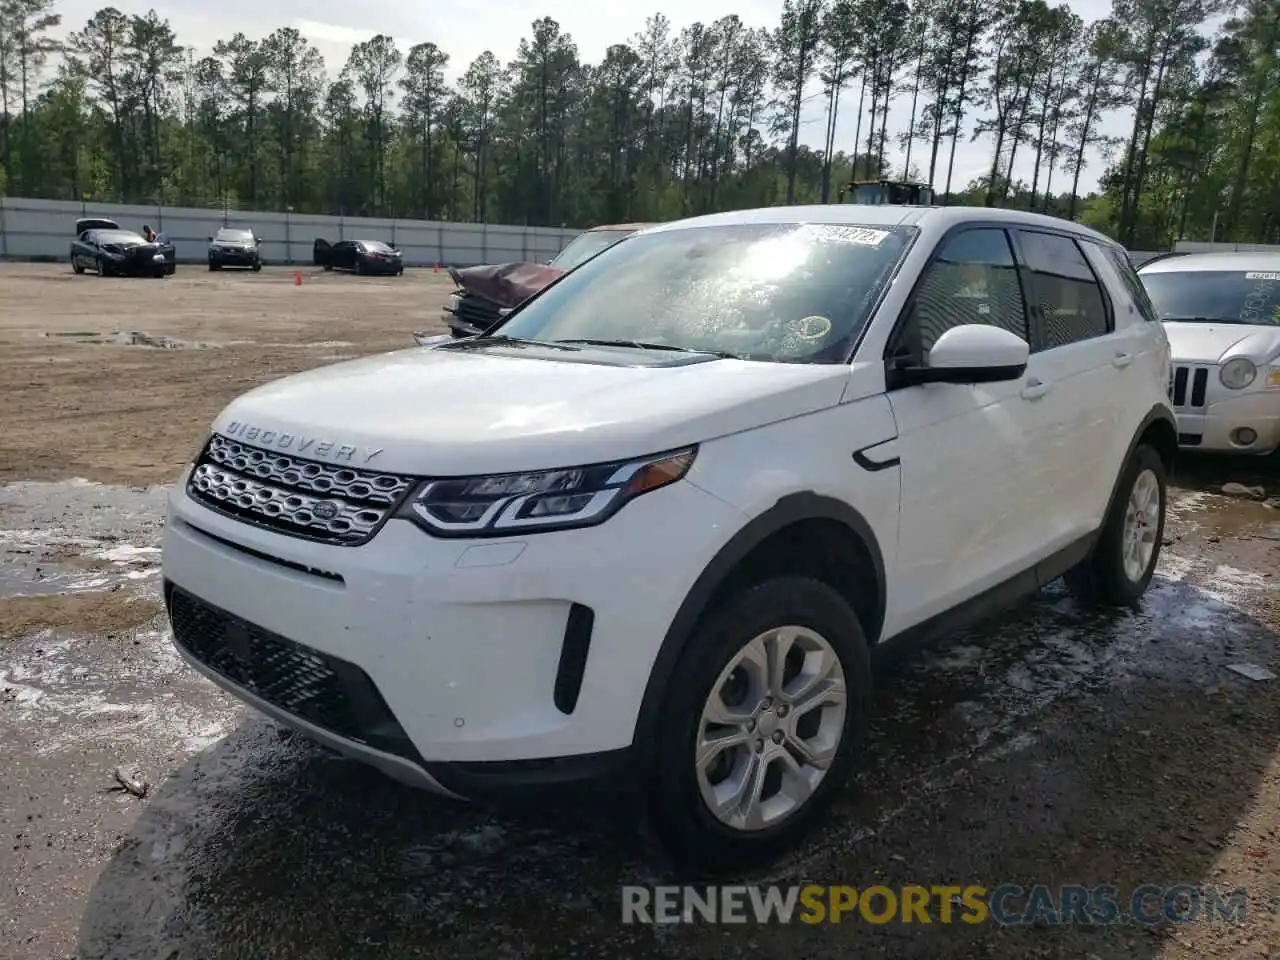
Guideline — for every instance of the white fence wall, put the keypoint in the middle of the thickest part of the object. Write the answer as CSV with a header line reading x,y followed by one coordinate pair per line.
x,y
1196,246
43,229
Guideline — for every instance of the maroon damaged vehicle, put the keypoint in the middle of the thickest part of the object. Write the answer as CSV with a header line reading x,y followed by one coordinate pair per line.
x,y
488,292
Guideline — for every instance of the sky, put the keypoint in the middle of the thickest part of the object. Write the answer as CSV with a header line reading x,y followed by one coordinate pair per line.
x,y
499,25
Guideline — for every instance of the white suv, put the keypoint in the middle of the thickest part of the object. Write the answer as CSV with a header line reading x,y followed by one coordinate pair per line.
x,y
1221,312
648,531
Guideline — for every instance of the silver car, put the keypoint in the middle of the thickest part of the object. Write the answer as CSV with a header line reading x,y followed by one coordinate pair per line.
x,y
1221,312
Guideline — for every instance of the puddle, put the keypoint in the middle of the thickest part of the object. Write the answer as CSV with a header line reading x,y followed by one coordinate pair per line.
x,y
115,540
138,338
312,345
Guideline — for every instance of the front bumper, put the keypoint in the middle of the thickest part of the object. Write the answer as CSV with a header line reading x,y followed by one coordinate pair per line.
x,y
469,644
139,265
1213,427
224,258
383,267
459,327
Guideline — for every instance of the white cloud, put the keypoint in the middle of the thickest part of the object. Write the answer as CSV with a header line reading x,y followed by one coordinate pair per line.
x,y
464,32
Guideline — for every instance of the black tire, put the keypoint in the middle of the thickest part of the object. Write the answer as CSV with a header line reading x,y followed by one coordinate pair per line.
x,y
257,267
328,267
689,831
1101,578
214,266
103,271
77,266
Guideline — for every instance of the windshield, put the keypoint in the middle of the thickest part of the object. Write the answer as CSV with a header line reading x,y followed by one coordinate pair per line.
x,y
377,246
119,236
796,293
245,236
1216,296
585,246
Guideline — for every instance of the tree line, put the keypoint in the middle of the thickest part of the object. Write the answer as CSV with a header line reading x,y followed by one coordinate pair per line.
x,y
670,124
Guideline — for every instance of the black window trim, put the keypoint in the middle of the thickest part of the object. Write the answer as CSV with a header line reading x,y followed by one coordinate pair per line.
x,y
1033,309
890,373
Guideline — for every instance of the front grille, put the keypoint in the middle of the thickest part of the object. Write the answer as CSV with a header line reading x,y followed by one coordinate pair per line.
x,y
477,311
316,501
1188,386
324,690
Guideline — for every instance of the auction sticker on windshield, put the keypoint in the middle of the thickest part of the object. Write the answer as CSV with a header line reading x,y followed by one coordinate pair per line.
x,y
1262,276
859,235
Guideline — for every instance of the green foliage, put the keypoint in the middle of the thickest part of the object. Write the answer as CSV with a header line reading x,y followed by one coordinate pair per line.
x,y
668,125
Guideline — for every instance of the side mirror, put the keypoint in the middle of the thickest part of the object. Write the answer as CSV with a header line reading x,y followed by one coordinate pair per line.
x,y
972,353
211,239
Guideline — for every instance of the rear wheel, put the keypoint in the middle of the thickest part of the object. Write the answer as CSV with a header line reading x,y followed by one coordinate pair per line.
x,y
761,726
1119,570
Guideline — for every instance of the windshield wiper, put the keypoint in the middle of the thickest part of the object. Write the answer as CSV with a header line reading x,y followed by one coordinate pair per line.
x,y
646,345
500,340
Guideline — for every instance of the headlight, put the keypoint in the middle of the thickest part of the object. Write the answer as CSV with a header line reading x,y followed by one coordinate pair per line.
x,y
504,504
1237,374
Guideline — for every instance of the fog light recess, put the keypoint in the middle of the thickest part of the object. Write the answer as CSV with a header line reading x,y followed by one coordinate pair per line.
x,y
1243,436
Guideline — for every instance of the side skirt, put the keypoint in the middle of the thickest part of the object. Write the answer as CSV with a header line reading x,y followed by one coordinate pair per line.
x,y
996,600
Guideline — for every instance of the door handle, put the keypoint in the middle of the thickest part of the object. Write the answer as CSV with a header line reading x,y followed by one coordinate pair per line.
x,y
1035,389
1122,359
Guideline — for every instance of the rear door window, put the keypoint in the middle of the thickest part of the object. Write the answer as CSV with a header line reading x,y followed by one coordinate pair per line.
x,y
1068,301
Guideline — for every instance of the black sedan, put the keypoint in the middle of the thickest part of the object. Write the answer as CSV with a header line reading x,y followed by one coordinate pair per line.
x,y
361,256
116,252
231,247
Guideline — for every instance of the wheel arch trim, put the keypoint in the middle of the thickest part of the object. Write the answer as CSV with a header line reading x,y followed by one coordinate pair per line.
x,y
788,510
1159,412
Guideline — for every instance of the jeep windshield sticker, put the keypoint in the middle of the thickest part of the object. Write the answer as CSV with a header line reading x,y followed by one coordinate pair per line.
x,y
1262,276
859,235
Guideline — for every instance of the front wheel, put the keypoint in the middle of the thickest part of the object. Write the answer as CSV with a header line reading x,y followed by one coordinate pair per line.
x,y
1119,570
77,266
103,269
257,267
762,725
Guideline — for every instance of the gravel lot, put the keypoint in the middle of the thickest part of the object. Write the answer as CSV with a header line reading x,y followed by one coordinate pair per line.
x,y
1054,746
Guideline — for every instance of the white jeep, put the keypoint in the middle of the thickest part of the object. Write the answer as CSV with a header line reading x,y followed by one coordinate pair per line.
x,y
649,528
1221,313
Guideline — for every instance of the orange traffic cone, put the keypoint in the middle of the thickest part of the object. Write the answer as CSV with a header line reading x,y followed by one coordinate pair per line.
x,y
297,278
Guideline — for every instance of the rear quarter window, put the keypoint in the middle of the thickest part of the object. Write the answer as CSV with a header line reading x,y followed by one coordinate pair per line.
x,y
1132,282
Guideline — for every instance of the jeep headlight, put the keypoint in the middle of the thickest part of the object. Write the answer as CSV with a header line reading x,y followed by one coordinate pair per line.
x,y
1238,373
506,504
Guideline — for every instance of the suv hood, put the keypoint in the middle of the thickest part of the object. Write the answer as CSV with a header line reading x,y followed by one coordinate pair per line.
x,y
440,412
1220,342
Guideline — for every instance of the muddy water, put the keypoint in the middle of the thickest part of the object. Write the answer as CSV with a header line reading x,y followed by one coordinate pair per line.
x,y
1034,746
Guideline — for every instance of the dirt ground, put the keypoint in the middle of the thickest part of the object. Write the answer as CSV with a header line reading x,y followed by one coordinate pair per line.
x,y
1052,746
85,395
